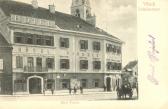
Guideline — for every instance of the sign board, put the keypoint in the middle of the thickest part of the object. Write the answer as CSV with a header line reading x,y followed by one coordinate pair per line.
x,y
1,64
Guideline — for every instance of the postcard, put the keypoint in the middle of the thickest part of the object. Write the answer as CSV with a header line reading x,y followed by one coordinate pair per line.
x,y
83,54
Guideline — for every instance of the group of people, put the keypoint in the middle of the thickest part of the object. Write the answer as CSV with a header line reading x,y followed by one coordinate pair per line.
x,y
75,89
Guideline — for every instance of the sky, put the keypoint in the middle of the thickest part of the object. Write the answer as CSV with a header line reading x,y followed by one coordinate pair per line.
x,y
117,17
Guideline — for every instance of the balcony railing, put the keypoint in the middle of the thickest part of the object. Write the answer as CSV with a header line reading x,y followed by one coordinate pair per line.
x,y
38,69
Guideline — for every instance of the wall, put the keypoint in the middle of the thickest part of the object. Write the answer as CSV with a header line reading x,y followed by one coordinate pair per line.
x,y
6,76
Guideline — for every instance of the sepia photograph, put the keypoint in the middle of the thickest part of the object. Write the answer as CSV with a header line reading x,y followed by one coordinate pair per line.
x,y
83,50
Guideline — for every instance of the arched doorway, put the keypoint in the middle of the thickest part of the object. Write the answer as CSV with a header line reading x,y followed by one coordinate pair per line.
x,y
108,83
35,85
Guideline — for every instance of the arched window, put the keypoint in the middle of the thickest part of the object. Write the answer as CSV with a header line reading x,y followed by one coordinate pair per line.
x,y
77,13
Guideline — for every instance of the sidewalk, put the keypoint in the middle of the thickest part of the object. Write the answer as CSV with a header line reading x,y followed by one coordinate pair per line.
x,y
59,93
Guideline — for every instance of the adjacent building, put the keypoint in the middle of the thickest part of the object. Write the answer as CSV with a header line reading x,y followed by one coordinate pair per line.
x,y
131,72
43,49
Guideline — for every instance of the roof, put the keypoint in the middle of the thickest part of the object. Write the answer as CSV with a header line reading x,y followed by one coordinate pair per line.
x,y
62,20
131,64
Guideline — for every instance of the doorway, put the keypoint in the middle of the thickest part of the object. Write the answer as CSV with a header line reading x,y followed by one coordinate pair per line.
x,y
108,83
35,86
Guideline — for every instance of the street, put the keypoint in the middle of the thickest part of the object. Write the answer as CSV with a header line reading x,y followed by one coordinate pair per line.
x,y
66,97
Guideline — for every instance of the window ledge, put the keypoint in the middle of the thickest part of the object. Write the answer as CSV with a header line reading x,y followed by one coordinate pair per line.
x,y
64,47
64,69
41,46
96,69
84,50
83,69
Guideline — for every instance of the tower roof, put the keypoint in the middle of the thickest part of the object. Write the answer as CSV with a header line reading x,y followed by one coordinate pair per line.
x,y
62,20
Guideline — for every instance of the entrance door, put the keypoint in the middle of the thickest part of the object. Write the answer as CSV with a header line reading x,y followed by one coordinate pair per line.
x,y
108,83
35,86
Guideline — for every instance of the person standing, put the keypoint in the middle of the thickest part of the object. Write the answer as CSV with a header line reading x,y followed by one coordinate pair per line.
x,y
75,90
104,88
44,92
70,90
81,89
137,88
52,91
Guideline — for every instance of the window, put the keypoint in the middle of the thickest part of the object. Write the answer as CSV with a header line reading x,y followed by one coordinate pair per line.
x,y
111,48
108,47
65,83
64,63
83,64
30,64
96,83
84,83
50,63
96,46
29,40
18,39
114,49
64,42
19,62
18,18
48,41
118,66
39,40
19,85
50,83
97,65
113,66
109,65
77,13
39,64
118,50
84,44
34,39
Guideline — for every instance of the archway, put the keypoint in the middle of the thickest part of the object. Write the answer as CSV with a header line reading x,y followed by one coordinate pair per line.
x,y
35,85
108,83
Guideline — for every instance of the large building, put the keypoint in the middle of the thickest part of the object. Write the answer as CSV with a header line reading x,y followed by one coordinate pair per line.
x,y
42,49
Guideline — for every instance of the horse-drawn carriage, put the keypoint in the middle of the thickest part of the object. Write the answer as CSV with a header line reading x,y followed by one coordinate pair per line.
x,y
125,89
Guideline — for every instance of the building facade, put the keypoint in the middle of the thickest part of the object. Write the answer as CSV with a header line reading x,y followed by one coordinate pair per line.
x,y
53,50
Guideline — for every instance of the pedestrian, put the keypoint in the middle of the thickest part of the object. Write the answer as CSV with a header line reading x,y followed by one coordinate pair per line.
x,y
137,88
70,90
104,88
75,90
81,89
44,92
52,91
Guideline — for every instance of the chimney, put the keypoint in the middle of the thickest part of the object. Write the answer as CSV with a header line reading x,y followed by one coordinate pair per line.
x,y
52,8
35,4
